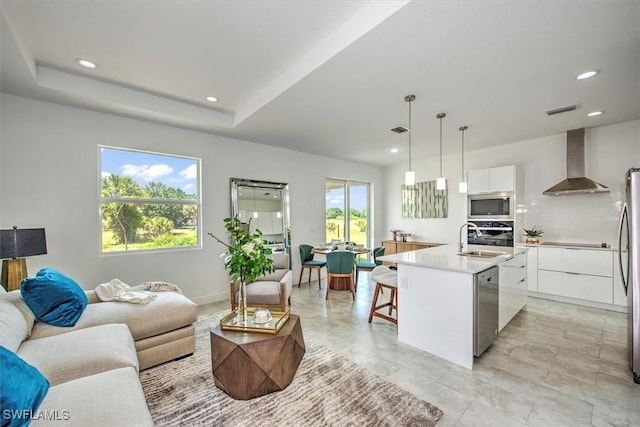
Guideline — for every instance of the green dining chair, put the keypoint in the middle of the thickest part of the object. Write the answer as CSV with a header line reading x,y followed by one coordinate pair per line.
x,y
341,264
369,266
307,261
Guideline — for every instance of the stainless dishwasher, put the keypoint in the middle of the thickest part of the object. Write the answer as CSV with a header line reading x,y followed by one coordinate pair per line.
x,y
485,310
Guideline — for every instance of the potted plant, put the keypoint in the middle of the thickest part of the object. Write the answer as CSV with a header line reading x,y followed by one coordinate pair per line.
x,y
245,259
533,235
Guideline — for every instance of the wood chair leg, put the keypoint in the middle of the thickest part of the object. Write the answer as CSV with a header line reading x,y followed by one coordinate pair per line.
x,y
391,300
374,300
353,290
301,272
328,286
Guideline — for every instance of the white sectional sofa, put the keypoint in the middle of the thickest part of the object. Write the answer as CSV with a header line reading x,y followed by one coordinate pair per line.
x,y
92,367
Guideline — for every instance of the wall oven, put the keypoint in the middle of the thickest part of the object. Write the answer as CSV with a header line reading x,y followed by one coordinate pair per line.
x,y
494,233
491,206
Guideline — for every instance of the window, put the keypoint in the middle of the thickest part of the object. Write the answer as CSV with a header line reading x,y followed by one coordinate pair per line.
x,y
148,201
347,211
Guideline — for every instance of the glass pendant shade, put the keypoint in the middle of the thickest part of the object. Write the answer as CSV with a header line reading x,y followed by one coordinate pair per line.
x,y
410,178
441,183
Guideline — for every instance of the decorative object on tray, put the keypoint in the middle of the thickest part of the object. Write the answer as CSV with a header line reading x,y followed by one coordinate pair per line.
x,y
261,316
245,259
533,235
276,319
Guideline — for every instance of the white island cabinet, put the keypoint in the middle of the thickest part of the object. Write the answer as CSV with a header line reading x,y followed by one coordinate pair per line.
x,y
436,299
512,293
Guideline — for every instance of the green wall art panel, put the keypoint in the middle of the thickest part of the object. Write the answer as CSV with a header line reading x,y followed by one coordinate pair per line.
x,y
422,200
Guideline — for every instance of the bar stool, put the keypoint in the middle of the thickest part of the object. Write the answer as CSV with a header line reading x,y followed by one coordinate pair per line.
x,y
384,277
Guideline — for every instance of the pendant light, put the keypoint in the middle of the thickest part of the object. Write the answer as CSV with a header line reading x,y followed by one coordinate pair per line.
x,y
410,175
441,182
462,186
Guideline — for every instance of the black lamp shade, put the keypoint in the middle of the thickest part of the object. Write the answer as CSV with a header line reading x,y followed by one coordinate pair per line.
x,y
22,242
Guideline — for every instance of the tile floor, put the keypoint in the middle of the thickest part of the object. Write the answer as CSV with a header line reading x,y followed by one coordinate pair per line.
x,y
555,364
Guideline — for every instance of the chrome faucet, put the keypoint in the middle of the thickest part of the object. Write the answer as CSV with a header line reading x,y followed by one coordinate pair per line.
x,y
468,224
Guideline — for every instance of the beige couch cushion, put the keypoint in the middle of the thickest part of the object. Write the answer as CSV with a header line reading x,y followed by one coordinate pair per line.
x,y
114,398
81,353
169,311
15,298
13,326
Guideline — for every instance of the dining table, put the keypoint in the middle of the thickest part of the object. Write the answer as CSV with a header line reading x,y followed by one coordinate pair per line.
x,y
340,284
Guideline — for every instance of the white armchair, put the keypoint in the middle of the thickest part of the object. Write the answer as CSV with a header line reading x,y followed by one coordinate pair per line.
x,y
270,290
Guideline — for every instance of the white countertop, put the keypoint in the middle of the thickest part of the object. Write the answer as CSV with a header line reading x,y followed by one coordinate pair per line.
x,y
446,257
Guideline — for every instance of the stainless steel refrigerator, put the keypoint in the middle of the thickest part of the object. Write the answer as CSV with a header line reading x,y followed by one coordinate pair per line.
x,y
629,241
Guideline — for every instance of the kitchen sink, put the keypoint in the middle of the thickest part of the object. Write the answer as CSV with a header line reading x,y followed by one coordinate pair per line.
x,y
481,254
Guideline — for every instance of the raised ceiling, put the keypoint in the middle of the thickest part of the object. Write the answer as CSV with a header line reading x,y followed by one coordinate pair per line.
x,y
329,77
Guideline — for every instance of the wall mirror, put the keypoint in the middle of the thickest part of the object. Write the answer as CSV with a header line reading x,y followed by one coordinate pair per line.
x,y
423,200
266,204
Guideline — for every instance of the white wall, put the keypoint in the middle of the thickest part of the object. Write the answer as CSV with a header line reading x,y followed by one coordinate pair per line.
x,y
49,178
610,151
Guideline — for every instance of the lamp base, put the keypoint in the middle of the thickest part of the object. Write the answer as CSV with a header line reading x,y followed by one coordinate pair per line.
x,y
13,271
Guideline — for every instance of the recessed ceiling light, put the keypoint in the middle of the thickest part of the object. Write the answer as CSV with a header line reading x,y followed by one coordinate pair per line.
x,y
394,150
212,99
594,113
86,63
587,75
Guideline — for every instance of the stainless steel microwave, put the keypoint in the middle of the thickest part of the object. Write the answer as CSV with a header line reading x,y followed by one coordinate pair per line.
x,y
491,206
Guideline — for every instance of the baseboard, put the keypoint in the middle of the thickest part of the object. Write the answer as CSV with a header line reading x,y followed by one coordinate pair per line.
x,y
211,298
594,304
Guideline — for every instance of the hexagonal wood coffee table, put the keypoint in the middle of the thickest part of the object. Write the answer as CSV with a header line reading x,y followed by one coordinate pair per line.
x,y
250,364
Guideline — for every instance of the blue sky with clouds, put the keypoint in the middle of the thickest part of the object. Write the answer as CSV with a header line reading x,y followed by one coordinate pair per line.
x,y
176,172
358,193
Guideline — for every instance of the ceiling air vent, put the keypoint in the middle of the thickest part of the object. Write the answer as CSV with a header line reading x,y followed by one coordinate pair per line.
x,y
561,109
399,129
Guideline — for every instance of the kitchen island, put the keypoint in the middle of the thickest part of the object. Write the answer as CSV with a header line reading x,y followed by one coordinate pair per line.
x,y
436,298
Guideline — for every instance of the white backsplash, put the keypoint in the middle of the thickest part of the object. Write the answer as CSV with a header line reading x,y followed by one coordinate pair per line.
x,y
588,218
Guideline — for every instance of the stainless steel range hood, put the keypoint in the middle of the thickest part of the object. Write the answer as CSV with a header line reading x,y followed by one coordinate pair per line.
x,y
576,182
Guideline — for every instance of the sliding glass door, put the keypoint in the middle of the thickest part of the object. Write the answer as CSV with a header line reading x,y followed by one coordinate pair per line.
x,y
347,211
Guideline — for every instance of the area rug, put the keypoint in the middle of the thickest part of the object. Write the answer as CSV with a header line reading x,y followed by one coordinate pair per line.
x,y
328,390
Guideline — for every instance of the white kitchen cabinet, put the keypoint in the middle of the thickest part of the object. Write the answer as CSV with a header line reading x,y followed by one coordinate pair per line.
x,y
512,285
575,260
478,181
575,285
619,296
500,179
532,268
576,273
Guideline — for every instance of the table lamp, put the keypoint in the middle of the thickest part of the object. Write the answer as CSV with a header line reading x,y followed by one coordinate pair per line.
x,y
15,244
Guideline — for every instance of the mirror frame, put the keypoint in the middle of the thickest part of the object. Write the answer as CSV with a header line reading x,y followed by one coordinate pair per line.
x,y
237,183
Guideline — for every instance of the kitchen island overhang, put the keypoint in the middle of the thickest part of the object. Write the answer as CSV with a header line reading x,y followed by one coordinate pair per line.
x,y
436,298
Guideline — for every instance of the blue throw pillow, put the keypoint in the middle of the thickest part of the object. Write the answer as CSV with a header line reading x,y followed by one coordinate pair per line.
x,y
22,389
54,298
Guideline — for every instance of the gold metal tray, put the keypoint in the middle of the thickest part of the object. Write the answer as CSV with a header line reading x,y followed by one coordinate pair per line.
x,y
232,322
